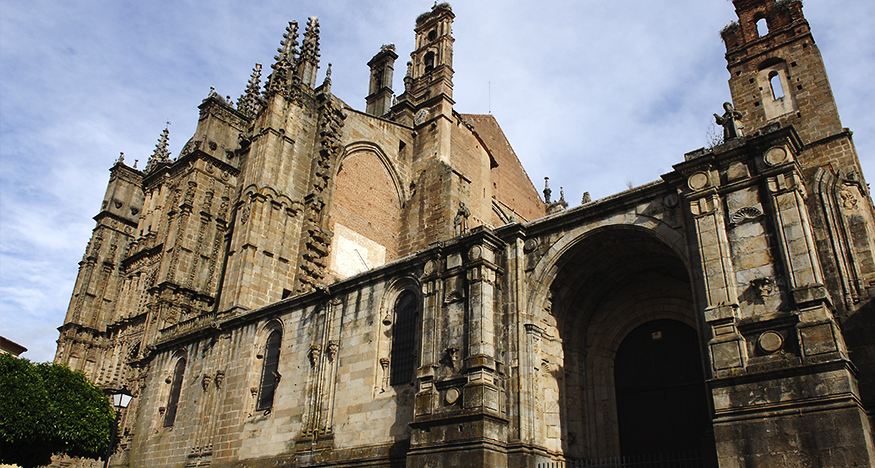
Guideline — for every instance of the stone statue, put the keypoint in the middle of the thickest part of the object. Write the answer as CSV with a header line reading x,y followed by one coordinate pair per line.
x,y
460,223
731,122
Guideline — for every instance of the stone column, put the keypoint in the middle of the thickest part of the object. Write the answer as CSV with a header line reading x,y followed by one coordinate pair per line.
x,y
481,392
728,352
819,337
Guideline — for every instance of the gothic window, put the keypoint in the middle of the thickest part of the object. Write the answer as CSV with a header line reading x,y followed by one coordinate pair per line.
x,y
270,378
175,390
404,339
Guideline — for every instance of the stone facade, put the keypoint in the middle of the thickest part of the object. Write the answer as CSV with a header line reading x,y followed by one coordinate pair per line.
x,y
264,294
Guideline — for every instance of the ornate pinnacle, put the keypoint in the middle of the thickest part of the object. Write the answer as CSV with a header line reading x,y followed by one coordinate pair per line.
x,y
161,153
309,59
310,47
285,61
248,102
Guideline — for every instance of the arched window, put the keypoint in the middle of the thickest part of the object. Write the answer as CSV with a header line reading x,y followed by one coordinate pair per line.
x,y
270,378
429,61
175,390
775,83
404,339
762,27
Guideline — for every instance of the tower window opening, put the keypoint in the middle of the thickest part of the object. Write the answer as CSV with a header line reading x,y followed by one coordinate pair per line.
x,y
762,27
775,83
432,35
429,61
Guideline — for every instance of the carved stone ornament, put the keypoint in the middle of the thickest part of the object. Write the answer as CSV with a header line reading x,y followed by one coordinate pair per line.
x,y
429,267
452,396
770,341
220,378
699,181
849,200
207,380
332,349
530,245
764,286
313,355
670,201
775,156
744,214
475,253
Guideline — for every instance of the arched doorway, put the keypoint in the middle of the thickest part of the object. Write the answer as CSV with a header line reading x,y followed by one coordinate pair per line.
x,y
662,406
611,286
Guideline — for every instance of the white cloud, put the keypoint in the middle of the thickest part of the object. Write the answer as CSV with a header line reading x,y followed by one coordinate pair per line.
x,y
589,93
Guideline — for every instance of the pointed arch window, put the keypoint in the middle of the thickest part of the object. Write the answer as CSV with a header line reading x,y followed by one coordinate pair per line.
x,y
175,390
404,353
270,376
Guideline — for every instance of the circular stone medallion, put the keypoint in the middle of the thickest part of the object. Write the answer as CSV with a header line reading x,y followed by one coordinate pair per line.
x,y
770,341
775,156
698,181
452,396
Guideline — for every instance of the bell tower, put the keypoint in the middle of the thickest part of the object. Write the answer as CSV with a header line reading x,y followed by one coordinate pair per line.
x,y
428,85
778,76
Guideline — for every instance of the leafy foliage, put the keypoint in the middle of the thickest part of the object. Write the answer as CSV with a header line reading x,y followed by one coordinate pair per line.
x,y
47,409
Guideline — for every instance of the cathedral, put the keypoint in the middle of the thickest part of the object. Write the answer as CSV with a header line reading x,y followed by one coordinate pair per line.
x,y
308,284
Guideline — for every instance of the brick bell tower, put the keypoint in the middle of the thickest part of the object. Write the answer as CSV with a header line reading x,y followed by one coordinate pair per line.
x,y
778,76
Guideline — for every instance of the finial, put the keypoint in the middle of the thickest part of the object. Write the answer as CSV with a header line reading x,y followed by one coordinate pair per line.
x,y
135,163
547,190
309,59
562,195
326,84
586,198
285,61
249,100
161,154
121,158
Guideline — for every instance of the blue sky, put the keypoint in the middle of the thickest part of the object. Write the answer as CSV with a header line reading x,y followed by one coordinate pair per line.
x,y
590,93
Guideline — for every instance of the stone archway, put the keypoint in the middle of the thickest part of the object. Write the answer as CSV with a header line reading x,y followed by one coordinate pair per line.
x,y
610,282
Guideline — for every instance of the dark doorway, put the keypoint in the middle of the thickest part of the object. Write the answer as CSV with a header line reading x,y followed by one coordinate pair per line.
x,y
661,398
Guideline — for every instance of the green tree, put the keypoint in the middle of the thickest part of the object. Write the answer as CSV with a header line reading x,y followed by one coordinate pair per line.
x,y
47,409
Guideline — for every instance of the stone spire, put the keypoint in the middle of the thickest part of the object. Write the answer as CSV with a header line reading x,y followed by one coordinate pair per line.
x,y
285,61
309,60
326,84
250,101
161,153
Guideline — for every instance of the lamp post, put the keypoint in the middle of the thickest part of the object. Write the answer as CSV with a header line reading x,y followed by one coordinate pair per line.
x,y
120,400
